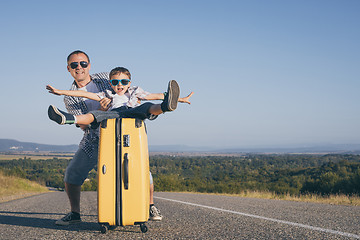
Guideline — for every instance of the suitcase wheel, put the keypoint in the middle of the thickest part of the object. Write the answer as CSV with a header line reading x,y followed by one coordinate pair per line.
x,y
103,228
143,228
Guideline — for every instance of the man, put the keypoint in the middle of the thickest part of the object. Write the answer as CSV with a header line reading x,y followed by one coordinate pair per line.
x,y
85,159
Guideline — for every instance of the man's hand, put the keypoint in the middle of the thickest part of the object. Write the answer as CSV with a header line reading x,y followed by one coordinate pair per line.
x,y
53,90
186,99
105,104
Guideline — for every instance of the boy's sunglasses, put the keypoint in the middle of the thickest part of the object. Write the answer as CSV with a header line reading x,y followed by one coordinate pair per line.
x,y
116,82
83,64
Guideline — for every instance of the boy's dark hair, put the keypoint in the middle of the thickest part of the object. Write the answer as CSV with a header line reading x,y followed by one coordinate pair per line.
x,y
119,70
78,52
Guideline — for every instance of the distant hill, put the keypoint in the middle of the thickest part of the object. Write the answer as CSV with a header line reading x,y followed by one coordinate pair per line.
x,y
178,148
14,145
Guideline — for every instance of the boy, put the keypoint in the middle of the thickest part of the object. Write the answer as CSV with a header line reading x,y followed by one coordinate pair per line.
x,y
123,101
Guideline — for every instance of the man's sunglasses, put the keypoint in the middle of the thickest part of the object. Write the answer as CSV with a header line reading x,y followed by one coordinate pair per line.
x,y
83,64
116,82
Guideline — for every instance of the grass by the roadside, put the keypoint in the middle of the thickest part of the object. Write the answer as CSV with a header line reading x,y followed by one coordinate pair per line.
x,y
14,187
332,199
338,199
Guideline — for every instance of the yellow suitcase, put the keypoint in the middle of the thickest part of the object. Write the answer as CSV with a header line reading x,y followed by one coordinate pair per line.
x,y
123,174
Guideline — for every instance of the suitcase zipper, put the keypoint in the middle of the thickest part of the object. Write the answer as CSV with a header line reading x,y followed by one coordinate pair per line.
x,y
118,173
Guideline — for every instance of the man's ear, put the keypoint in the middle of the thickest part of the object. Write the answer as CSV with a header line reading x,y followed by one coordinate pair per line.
x,y
68,68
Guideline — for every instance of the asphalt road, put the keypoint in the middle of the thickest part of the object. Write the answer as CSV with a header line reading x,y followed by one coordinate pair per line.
x,y
186,216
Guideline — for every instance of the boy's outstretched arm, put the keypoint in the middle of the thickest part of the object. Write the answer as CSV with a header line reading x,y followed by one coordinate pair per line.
x,y
89,95
160,96
154,96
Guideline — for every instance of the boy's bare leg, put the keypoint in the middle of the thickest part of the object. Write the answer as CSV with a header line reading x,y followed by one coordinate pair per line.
x,y
85,119
62,117
155,109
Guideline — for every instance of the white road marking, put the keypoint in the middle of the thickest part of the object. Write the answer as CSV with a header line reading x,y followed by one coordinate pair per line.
x,y
268,219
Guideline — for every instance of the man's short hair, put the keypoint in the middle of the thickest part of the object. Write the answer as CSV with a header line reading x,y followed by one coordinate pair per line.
x,y
77,52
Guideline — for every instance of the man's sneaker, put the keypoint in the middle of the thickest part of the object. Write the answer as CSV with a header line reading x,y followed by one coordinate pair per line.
x,y
59,116
155,214
70,218
171,98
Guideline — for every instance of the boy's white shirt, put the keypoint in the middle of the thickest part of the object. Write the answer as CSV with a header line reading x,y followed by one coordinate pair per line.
x,y
117,100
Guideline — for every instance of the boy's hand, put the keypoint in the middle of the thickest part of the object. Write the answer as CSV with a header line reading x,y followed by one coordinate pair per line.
x,y
53,90
105,104
186,99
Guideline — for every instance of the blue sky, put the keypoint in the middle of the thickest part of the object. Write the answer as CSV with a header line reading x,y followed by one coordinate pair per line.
x,y
264,73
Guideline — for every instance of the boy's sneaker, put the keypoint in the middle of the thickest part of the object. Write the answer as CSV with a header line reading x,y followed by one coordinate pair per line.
x,y
154,214
59,116
70,218
171,98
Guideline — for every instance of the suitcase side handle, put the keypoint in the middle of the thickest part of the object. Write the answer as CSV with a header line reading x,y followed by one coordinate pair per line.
x,y
126,171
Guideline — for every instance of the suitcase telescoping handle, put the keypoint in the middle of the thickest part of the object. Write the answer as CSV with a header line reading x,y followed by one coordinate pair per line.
x,y
126,171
